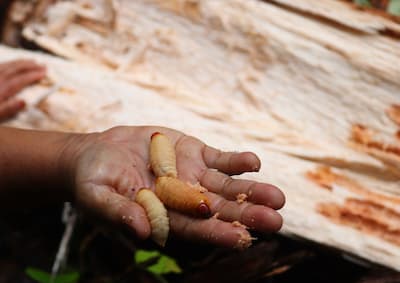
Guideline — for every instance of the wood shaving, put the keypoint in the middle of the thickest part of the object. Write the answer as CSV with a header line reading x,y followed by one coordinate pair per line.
x,y
238,224
215,216
198,187
244,242
241,198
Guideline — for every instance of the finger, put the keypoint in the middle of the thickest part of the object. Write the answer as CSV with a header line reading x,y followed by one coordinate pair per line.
x,y
10,108
116,208
18,82
257,217
210,230
231,163
11,68
229,188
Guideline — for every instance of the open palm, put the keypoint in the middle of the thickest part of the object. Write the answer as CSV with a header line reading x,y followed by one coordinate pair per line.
x,y
113,165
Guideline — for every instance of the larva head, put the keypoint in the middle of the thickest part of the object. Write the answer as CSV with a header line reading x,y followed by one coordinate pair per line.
x,y
203,209
155,134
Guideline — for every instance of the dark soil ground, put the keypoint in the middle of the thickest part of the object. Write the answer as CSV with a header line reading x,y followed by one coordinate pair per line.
x,y
105,254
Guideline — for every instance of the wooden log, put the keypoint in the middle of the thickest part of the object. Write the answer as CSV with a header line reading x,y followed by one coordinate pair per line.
x,y
315,94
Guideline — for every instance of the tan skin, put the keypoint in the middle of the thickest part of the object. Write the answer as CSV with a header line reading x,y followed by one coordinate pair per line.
x,y
115,164
101,173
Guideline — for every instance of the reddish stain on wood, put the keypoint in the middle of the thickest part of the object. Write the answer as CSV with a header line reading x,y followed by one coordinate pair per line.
x,y
393,112
368,211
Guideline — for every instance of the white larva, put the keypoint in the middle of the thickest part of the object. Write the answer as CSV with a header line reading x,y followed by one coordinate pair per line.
x,y
162,156
156,213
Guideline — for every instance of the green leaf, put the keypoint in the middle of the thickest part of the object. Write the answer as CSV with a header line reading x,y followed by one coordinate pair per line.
x,y
70,277
45,277
394,7
38,275
143,255
164,265
365,3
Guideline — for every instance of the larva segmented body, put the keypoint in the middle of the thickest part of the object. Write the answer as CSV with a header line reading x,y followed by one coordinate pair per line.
x,y
162,156
156,213
180,196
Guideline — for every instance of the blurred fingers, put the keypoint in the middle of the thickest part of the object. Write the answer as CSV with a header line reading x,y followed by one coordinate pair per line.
x,y
10,108
11,68
15,84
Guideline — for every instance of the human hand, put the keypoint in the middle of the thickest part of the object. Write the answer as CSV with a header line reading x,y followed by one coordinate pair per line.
x,y
14,76
107,169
